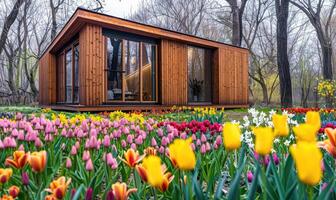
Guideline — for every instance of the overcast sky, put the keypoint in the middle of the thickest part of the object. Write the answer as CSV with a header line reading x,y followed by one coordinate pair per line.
x,y
121,8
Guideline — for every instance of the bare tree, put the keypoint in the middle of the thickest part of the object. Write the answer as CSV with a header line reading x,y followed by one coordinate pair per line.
x,y
314,14
54,7
9,22
282,7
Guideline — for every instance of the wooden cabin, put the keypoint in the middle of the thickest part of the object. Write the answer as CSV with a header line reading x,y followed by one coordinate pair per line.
x,y
101,63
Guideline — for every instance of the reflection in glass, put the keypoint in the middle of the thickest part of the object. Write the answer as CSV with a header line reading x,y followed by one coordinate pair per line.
x,y
76,78
199,74
68,81
148,72
132,86
114,66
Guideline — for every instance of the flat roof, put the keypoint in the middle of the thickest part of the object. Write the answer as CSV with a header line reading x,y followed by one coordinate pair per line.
x,y
81,16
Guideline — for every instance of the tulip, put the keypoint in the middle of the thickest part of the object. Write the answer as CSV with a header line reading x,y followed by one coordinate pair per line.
x,y
110,195
6,197
181,154
5,174
150,151
231,136
86,155
89,194
68,163
264,137
120,191
305,132
89,165
249,176
308,158
280,125
14,191
330,144
313,118
59,187
19,160
73,150
25,178
132,158
38,161
152,165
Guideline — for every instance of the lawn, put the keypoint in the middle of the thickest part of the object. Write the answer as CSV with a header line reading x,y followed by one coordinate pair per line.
x,y
182,153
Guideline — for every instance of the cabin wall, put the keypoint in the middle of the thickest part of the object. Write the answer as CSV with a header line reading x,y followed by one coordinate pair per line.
x,y
91,65
232,85
47,79
173,82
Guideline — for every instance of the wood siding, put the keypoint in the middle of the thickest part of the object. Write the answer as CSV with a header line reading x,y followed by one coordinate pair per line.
x,y
91,65
47,79
60,78
173,73
232,77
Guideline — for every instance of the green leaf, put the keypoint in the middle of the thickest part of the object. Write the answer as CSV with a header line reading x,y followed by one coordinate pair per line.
x,y
253,188
218,193
78,192
325,194
196,185
277,179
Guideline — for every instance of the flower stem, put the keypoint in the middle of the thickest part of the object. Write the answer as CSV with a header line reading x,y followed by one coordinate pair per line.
x,y
154,193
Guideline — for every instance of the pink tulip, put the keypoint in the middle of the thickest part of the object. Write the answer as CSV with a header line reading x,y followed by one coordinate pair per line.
x,y
86,155
203,138
106,141
153,142
133,146
73,150
123,143
203,149
38,143
89,165
68,163
160,132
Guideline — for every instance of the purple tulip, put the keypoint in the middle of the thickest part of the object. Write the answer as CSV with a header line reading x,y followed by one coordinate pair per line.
x,y
89,194
25,178
249,176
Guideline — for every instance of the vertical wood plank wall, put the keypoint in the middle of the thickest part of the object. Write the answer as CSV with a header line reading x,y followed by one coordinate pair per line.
x,y
232,76
47,79
91,65
173,76
60,78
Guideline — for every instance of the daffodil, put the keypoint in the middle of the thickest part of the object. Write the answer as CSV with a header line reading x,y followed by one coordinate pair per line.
x,y
280,125
182,155
305,132
308,158
264,137
231,136
313,118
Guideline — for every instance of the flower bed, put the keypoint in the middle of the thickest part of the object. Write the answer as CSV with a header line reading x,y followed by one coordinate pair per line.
x,y
190,154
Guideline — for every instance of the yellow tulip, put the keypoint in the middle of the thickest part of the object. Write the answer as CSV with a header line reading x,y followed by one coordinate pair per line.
x,y
231,136
314,119
280,125
182,155
264,137
152,165
305,132
308,158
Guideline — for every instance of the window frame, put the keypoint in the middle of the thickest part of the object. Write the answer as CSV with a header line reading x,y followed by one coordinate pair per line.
x,y
211,52
140,40
70,47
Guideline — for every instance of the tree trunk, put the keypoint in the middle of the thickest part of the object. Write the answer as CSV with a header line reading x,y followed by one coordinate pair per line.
x,y
236,36
53,19
9,22
282,57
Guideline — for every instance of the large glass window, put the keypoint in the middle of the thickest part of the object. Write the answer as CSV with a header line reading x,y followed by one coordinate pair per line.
x,y
131,70
68,73
199,74
148,71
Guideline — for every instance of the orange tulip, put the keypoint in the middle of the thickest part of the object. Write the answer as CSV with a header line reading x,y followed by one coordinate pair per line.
x,y
59,187
38,161
5,174
14,191
120,191
330,144
150,151
6,197
50,197
167,179
19,160
132,158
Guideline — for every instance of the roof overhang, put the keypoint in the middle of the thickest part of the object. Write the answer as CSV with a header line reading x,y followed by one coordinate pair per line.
x,y
82,16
